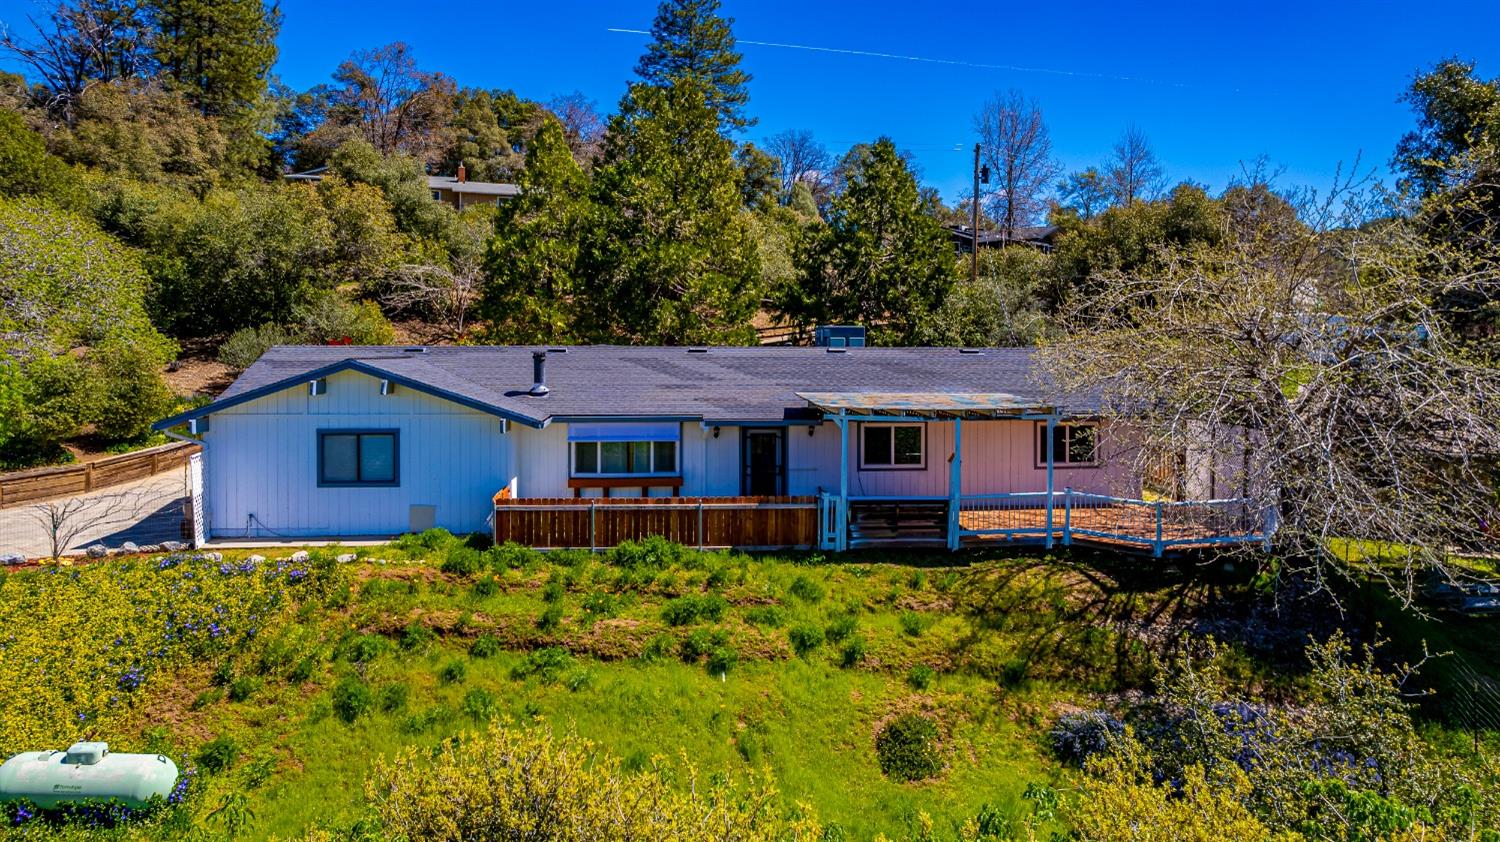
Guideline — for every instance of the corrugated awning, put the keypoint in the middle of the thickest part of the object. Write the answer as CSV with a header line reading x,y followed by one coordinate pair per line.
x,y
929,404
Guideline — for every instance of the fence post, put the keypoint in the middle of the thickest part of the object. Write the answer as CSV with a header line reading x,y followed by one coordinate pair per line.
x,y
88,477
1156,550
593,535
700,524
1068,516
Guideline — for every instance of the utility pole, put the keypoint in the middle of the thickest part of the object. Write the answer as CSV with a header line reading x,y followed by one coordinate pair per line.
x,y
974,223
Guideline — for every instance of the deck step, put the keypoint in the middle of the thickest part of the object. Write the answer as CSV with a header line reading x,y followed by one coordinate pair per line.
x,y
898,522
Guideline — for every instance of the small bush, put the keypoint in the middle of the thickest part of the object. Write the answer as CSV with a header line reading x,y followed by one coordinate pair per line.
x,y
247,344
553,591
912,623
545,664
480,705
352,699
806,589
1078,736
479,541
578,679
920,676
218,754
393,697
243,688
702,642
599,604
416,637
853,652
208,697
805,638
223,674
686,610
765,615
486,586
453,672
511,556
550,618
657,647
462,561
721,660
419,542
907,748
651,553
302,670
485,646
841,627
364,648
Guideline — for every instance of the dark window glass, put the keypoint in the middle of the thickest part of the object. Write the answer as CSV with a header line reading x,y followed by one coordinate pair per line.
x,y
1081,444
586,457
877,445
613,457
358,459
666,457
341,458
908,445
640,457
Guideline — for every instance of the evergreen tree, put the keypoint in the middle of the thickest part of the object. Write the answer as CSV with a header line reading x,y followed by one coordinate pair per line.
x,y
217,51
690,41
672,259
532,265
881,261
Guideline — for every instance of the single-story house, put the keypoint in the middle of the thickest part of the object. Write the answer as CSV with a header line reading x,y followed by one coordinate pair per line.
x,y
1042,237
456,190
833,447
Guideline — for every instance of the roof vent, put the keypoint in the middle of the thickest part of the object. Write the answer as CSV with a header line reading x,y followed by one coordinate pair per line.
x,y
557,350
833,350
970,351
539,374
697,350
414,349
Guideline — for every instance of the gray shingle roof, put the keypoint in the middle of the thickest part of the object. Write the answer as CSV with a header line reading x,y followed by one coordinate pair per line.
x,y
482,188
725,384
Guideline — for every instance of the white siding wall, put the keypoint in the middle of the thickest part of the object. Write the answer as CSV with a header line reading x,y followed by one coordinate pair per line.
x,y
263,461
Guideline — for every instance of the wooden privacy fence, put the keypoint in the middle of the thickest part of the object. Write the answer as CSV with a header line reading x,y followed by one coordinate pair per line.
x,y
745,522
22,487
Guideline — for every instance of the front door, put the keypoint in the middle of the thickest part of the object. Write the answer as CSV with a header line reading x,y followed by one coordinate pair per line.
x,y
764,461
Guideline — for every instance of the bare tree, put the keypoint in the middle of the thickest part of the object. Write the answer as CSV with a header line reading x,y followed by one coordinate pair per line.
x,y
65,521
446,293
801,158
1133,171
397,106
1305,358
1018,151
583,126
82,44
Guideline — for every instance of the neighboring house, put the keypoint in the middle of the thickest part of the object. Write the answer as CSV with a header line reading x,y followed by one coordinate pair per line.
x,y
939,445
455,190
1034,236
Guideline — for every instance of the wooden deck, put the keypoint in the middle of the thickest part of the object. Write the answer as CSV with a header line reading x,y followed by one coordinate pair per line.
x,y
1117,525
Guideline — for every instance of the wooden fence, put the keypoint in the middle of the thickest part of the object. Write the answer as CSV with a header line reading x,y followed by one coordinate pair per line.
x,y
596,522
22,487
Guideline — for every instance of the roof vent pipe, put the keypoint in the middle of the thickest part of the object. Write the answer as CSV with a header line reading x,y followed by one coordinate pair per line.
x,y
539,374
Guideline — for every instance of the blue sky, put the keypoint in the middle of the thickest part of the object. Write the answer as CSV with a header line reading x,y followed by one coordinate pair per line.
x,y
1307,84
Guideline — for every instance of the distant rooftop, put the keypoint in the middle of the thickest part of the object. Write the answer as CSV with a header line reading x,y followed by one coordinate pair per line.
x,y
434,182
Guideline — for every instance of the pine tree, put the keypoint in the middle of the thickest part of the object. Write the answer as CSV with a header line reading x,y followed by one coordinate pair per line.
x,y
672,260
690,41
532,265
881,261
217,51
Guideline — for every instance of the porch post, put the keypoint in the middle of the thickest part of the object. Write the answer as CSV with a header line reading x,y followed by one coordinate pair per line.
x,y
843,514
1051,426
955,483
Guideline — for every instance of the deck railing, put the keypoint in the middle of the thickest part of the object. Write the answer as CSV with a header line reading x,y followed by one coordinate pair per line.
x,y
598,523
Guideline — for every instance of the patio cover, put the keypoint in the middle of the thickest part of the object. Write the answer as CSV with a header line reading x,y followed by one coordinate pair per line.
x,y
927,404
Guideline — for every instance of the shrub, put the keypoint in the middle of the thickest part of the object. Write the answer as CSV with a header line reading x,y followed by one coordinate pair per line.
x,y
302,670
702,642
352,698
453,672
553,591
485,646
545,664
218,754
806,589
651,553
765,615
907,748
1078,736
912,623
243,688
432,539
853,652
920,677
462,561
393,697
578,679
841,627
686,610
480,705
247,344
721,660
509,782
805,638
416,637
600,604
511,556
363,648
486,586
327,316
657,647
550,619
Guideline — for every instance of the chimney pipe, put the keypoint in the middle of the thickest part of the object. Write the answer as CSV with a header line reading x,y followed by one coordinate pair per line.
x,y
539,374
463,174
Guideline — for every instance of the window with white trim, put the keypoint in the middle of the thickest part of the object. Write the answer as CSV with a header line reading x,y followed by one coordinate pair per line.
x,y
892,447
1074,444
625,450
